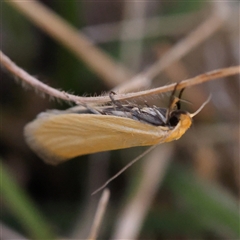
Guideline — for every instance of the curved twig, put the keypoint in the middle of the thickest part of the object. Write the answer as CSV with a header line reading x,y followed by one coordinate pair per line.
x,y
43,88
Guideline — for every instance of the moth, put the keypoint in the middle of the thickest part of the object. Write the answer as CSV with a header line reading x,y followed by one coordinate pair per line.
x,y
56,136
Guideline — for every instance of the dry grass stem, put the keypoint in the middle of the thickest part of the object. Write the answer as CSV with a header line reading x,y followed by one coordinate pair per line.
x,y
31,81
43,88
102,64
99,214
169,25
39,86
132,216
191,41
111,72
208,76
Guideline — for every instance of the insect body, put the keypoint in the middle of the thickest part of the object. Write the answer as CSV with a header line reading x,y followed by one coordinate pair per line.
x,y
57,136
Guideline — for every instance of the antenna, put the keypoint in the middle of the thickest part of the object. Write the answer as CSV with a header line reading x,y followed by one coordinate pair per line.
x,y
203,105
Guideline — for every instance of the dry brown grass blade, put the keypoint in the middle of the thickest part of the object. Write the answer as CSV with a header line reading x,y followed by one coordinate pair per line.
x,y
111,72
200,34
208,76
43,88
136,208
99,214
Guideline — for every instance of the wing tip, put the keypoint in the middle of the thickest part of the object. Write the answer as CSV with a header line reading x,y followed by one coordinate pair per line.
x,y
37,148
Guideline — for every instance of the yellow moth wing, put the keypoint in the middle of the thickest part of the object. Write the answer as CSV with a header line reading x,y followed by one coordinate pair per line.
x,y
59,137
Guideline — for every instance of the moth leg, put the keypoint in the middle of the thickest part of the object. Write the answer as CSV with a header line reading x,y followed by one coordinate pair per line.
x,y
116,103
113,100
92,110
174,101
179,98
134,110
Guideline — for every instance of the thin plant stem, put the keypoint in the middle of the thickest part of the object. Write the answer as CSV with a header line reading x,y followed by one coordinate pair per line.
x,y
102,205
33,82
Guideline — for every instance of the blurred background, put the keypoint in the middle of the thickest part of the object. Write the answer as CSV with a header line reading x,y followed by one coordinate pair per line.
x,y
186,189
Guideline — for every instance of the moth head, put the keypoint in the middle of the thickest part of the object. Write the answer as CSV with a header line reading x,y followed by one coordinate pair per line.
x,y
184,117
177,116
